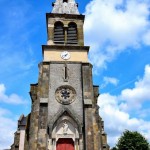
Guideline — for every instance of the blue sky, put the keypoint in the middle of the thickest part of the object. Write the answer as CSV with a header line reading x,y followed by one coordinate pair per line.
x,y
118,32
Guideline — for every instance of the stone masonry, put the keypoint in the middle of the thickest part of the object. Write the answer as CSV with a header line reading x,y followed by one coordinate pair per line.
x,y
64,107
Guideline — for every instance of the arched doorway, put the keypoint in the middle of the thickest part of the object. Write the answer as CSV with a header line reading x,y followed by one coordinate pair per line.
x,y
65,144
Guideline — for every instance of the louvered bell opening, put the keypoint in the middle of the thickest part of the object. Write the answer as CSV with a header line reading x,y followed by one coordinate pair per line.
x,y
72,34
59,37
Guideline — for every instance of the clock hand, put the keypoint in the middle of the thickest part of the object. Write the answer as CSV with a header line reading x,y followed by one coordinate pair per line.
x,y
65,55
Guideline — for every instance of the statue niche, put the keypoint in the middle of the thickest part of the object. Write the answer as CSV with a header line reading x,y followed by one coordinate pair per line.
x,y
64,129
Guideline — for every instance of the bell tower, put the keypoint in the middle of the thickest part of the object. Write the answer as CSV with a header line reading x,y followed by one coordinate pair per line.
x,y
64,114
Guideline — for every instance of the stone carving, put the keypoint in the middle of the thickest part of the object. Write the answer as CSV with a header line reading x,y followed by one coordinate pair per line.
x,y
65,7
65,127
65,94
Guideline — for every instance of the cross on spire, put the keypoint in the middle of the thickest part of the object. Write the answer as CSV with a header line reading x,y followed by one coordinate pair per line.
x,y
65,7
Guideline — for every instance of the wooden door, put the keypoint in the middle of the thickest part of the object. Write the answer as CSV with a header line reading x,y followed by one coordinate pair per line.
x,y
65,144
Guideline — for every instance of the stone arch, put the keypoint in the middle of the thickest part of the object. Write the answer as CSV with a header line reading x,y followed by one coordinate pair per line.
x,y
65,126
59,33
72,33
74,119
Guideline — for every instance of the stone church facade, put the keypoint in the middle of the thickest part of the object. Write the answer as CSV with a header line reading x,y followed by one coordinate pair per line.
x,y
64,113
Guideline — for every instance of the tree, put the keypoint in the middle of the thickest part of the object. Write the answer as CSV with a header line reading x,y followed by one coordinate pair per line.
x,y
114,148
132,141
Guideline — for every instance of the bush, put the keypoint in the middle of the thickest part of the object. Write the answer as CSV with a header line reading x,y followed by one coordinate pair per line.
x,y
132,141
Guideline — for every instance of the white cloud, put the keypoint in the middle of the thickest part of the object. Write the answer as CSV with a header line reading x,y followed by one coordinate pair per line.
x,y
10,99
117,120
7,129
146,38
111,26
115,110
109,80
140,93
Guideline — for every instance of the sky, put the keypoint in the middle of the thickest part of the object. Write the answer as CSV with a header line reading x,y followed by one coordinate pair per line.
x,y
118,33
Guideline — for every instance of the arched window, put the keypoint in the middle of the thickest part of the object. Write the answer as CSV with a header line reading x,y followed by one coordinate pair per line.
x,y
72,33
59,36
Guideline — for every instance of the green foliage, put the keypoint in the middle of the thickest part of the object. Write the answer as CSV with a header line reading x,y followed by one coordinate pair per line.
x,y
132,141
114,148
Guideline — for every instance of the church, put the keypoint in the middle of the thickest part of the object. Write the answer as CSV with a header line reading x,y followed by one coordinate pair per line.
x,y
64,113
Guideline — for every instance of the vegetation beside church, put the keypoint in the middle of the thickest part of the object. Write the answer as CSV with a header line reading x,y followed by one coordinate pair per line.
x,y
132,140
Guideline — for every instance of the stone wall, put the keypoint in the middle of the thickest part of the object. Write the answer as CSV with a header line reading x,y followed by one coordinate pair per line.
x,y
65,19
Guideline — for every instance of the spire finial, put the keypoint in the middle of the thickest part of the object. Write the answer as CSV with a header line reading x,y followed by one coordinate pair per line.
x,y
65,7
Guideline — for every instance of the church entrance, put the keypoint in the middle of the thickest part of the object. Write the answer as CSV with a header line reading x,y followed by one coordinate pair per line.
x,y
65,144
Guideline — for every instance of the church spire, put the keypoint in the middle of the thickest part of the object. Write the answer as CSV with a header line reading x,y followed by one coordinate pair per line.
x,y
65,7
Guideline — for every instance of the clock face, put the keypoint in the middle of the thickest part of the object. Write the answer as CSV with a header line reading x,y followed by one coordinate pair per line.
x,y
65,55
